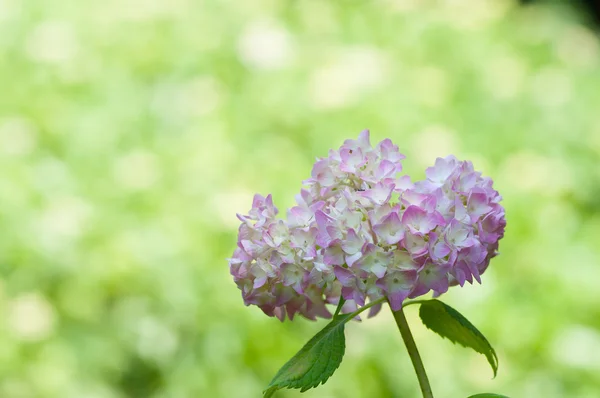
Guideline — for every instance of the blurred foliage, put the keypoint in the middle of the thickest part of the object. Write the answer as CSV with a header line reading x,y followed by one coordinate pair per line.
x,y
132,131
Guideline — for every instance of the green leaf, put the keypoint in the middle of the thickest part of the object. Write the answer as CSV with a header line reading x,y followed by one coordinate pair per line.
x,y
488,395
315,362
449,323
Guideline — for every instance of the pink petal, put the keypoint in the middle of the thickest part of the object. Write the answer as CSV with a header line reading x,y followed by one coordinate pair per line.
x,y
379,194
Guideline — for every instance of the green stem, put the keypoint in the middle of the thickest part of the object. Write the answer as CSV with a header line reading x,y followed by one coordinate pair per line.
x,y
413,352
366,307
407,303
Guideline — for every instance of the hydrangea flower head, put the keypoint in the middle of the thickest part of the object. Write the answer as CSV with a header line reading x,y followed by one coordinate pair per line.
x,y
361,230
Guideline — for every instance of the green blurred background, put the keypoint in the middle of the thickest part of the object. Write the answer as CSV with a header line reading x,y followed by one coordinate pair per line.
x,y
132,131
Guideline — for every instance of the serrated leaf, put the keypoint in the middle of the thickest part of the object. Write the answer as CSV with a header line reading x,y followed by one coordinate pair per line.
x,y
449,323
487,395
315,362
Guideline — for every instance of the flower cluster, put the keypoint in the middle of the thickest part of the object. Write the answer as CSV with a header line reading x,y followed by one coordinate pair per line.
x,y
362,231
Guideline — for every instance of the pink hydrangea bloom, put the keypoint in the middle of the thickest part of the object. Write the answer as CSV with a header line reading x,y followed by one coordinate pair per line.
x,y
362,231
